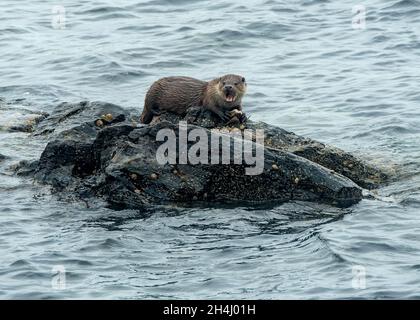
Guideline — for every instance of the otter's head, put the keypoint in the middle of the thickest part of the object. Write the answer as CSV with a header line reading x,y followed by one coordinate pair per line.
x,y
232,88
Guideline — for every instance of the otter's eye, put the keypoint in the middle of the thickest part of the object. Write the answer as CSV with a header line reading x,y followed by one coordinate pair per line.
x,y
243,79
224,83
236,83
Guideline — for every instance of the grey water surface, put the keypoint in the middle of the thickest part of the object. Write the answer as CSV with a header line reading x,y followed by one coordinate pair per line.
x,y
308,71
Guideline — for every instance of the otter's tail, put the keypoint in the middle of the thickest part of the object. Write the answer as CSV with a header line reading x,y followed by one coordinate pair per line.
x,y
151,107
149,111
146,116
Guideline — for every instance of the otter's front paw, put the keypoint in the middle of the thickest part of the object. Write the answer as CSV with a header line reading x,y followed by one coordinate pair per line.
x,y
234,112
243,118
239,115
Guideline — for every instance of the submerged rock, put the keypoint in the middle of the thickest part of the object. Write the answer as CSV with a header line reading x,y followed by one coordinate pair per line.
x,y
96,150
14,119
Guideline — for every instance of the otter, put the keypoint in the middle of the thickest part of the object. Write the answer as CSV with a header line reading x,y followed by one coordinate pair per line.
x,y
178,94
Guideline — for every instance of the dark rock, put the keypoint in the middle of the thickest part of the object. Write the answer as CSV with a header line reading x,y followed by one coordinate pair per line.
x,y
67,116
298,179
116,161
365,175
72,130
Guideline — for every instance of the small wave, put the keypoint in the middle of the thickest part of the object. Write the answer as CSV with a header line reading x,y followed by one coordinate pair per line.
x,y
20,263
269,29
168,64
404,4
30,275
105,9
400,9
410,202
111,16
387,129
370,114
106,244
170,2
185,28
380,38
13,31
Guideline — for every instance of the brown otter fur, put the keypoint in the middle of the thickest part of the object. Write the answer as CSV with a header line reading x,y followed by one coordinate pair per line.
x,y
177,94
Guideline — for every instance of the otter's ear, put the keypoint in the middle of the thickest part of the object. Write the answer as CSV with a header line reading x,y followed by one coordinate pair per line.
x,y
243,80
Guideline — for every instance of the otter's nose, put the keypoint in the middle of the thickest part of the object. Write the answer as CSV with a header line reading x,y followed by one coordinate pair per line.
x,y
228,88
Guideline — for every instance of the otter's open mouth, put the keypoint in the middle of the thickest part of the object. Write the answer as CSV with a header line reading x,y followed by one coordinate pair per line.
x,y
230,97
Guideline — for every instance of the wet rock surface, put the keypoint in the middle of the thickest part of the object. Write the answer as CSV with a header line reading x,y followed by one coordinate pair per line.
x,y
364,174
97,151
67,116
